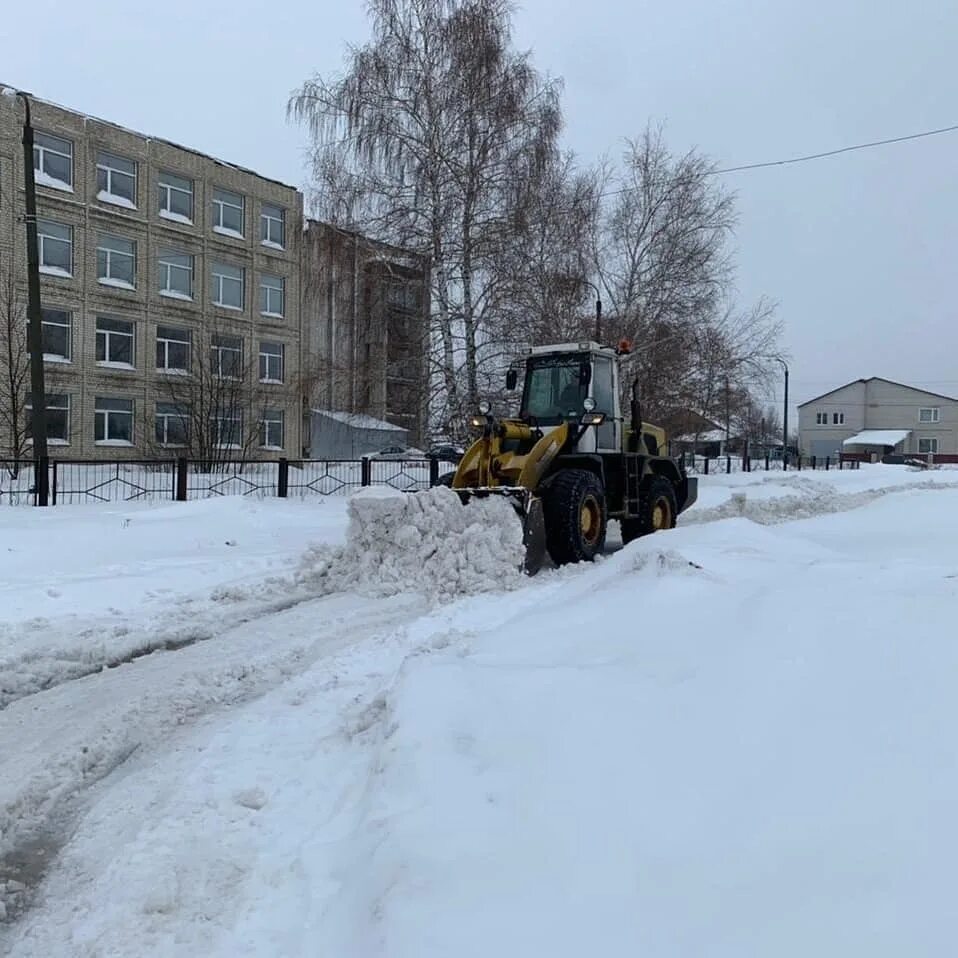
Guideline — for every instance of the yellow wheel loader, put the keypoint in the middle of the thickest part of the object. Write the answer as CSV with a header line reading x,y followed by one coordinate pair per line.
x,y
570,460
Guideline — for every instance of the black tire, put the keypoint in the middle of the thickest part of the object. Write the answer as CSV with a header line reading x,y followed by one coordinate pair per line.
x,y
575,516
657,510
445,479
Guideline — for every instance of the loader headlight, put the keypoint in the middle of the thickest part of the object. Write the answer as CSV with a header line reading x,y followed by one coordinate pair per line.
x,y
588,404
477,421
485,407
593,419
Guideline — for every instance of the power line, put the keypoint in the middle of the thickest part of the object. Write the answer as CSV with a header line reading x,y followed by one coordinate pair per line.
x,y
810,156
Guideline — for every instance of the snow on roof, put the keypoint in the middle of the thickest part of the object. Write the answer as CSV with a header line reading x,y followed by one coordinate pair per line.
x,y
712,435
358,420
878,437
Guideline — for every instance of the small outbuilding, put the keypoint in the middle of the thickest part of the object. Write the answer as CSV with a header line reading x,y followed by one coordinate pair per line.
x,y
349,435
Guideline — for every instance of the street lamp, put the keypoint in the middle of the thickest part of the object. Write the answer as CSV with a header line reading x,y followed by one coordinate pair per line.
x,y
41,478
779,359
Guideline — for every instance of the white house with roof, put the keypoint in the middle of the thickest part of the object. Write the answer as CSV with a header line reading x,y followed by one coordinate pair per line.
x,y
880,417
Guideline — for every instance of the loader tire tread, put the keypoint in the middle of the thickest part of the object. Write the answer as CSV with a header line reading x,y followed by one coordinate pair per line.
x,y
571,491
654,492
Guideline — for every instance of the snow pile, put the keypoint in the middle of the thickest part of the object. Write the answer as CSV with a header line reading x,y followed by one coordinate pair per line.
x,y
426,542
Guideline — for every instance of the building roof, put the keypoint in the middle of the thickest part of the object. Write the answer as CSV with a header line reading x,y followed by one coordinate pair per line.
x,y
880,379
358,420
878,437
146,136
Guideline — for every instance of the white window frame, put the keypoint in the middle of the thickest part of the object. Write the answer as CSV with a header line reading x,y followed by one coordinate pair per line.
x,y
930,440
167,270
42,240
172,411
223,200
40,150
270,292
110,334
108,416
821,419
270,358
933,417
52,404
166,194
66,324
163,343
272,418
110,255
838,419
221,279
217,419
106,193
219,348
266,224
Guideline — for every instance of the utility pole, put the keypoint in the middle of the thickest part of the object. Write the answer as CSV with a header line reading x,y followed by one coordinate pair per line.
x,y
785,421
598,310
41,476
728,418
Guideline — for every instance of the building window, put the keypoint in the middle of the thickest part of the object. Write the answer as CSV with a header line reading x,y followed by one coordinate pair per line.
x,y
929,415
838,419
113,421
173,349
114,342
116,261
821,419
226,356
228,288
272,295
57,330
272,226
172,424
176,198
176,275
116,180
58,418
271,362
227,429
228,213
52,161
271,429
928,444
55,241
404,296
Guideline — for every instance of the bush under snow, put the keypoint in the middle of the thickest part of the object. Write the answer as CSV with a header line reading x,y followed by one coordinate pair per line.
x,y
426,542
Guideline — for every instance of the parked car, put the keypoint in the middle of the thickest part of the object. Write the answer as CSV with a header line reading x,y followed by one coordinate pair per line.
x,y
396,452
446,452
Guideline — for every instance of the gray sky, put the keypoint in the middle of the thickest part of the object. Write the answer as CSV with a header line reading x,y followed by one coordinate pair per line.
x,y
857,250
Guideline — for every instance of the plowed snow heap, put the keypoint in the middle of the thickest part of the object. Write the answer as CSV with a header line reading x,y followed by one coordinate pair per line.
x,y
426,542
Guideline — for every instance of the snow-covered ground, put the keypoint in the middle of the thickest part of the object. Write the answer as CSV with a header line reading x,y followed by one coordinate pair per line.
x,y
730,739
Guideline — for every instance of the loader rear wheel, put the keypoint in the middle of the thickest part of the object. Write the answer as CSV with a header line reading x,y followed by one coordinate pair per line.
x,y
657,511
575,519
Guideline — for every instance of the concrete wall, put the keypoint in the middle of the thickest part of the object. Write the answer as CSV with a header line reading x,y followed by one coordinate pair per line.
x,y
366,308
82,378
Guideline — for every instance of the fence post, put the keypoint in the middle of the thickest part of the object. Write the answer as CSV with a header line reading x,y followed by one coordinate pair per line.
x,y
433,471
282,484
366,471
814,462
182,470
728,465
706,465
828,460
798,462
53,487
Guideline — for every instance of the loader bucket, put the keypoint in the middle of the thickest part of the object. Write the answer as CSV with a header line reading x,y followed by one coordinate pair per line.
x,y
529,511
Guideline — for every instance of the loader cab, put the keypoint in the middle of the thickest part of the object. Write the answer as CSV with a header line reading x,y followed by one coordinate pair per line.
x,y
558,380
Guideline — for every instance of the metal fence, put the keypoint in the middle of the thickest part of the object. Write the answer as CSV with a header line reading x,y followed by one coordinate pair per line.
x,y
90,481
704,465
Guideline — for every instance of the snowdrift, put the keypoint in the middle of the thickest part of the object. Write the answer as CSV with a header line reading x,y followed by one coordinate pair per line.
x,y
426,542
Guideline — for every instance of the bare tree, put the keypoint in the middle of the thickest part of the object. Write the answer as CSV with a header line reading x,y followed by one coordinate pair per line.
x,y
15,368
429,140
214,411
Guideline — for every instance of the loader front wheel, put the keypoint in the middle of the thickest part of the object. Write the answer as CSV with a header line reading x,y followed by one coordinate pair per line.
x,y
657,511
575,516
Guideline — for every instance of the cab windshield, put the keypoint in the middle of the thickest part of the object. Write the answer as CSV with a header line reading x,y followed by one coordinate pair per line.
x,y
553,389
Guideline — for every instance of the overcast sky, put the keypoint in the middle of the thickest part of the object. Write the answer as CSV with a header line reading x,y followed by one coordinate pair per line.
x,y
858,250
